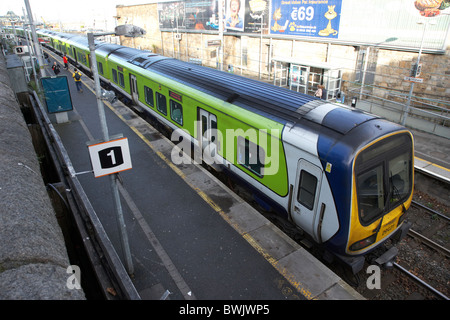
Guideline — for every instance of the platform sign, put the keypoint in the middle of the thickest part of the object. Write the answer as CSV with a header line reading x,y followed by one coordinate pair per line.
x,y
57,94
413,79
110,157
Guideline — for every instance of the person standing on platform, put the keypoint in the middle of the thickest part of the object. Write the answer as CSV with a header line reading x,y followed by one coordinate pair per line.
x,y
56,68
66,62
77,77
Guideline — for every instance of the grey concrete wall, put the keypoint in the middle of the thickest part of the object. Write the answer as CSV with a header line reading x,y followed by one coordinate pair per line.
x,y
33,256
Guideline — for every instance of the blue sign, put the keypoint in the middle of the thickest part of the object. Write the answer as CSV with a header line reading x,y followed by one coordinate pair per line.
x,y
311,18
57,94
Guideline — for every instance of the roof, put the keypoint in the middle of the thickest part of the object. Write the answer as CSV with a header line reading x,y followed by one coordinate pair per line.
x,y
302,62
277,103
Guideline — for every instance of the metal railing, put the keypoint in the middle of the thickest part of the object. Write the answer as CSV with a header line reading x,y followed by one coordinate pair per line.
x,y
429,115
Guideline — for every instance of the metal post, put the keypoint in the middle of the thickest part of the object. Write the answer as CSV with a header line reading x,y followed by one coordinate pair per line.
x,y
220,49
114,188
30,53
366,61
408,103
37,48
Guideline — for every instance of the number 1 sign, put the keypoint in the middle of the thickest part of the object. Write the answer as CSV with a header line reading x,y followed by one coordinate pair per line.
x,y
110,157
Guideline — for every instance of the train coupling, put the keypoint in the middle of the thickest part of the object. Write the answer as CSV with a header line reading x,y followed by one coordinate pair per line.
x,y
387,258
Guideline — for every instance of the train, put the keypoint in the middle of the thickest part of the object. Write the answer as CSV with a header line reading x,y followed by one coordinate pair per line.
x,y
342,177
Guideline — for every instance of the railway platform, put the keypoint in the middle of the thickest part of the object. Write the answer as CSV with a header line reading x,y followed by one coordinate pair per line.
x,y
190,237
432,155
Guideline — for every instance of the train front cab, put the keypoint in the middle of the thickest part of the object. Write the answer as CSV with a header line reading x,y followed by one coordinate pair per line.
x,y
382,193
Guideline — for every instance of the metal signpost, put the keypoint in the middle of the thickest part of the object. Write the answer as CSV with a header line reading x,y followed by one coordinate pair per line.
x,y
110,157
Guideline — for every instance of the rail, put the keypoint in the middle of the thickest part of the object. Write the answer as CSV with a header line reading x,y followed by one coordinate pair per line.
x,y
420,281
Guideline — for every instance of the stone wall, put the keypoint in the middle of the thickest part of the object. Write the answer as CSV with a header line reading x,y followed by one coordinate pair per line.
x,y
33,255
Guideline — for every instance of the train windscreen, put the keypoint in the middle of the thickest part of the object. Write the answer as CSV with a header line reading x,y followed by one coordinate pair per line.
x,y
384,176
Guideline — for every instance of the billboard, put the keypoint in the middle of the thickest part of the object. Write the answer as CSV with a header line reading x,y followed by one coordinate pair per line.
x,y
363,21
309,18
238,15
57,94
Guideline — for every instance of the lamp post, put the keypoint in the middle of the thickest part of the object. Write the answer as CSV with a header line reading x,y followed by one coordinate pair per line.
x,y
408,103
37,48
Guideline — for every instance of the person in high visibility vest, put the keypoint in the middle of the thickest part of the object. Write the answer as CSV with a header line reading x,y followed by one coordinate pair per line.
x,y
66,62
77,77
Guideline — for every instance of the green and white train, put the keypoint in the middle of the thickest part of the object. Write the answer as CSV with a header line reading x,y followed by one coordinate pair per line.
x,y
343,177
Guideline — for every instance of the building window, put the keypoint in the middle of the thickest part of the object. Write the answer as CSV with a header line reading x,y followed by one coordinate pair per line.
x,y
149,96
161,104
251,156
176,112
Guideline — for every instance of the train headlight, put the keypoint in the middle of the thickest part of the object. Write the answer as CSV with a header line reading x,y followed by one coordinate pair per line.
x,y
361,244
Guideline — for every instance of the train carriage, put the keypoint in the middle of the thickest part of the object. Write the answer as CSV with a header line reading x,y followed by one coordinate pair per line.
x,y
341,176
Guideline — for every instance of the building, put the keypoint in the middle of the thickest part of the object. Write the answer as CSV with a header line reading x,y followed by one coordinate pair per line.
x,y
360,47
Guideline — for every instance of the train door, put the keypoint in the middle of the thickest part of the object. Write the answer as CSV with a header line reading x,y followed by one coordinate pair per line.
x,y
207,133
305,198
75,58
134,89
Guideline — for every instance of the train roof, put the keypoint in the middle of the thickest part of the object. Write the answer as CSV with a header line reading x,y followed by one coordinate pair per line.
x,y
277,103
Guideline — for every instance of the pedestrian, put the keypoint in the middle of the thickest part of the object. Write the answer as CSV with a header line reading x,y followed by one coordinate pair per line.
x,y
318,93
77,77
321,92
56,68
66,62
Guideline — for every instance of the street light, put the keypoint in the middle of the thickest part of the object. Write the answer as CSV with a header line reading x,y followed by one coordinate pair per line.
x,y
408,103
131,31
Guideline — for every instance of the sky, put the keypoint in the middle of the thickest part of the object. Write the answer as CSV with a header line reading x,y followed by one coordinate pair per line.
x,y
67,11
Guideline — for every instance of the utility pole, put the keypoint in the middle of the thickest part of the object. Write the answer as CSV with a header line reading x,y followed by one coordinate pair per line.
x,y
220,49
128,30
408,103
37,48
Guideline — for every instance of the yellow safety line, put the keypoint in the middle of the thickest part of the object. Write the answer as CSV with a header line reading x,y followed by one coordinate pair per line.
x,y
433,164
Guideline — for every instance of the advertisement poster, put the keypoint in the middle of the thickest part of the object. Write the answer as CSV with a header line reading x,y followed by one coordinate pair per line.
x,y
57,94
429,8
311,18
238,15
234,15
256,13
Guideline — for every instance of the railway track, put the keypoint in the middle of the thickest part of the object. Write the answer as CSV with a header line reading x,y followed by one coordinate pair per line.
x,y
422,268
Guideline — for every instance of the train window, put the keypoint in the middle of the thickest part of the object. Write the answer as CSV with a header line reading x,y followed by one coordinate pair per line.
x,y
307,189
114,74
371,193
149,96
121,80
161,104
176,112
383,176
81,57
100,67
251,156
